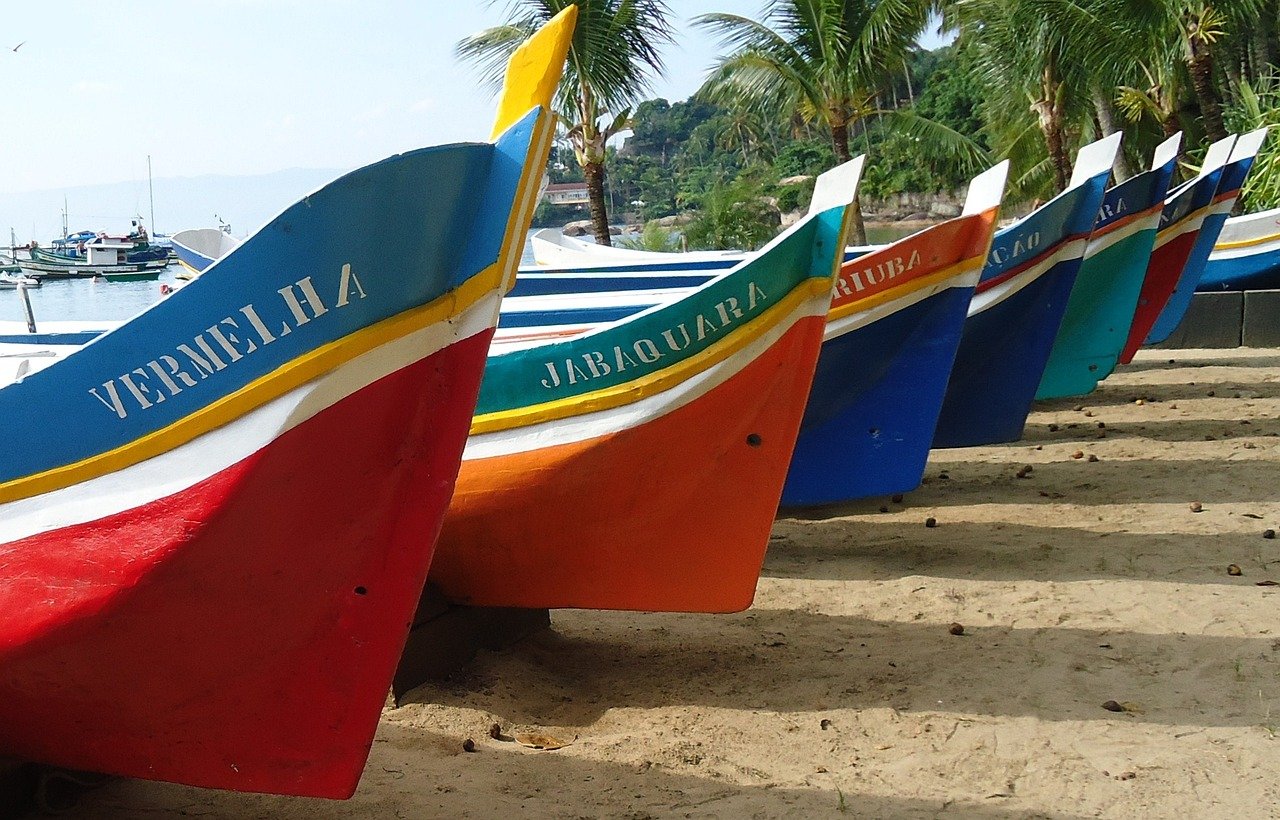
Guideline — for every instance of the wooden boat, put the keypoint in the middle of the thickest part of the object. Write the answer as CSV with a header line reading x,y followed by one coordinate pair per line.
x,y
133,276
1183,216
702,397
209,559
101,258
892,330
198,248
1243,153
895,323
141,248
1018,307
551,248
1104,297
1247,254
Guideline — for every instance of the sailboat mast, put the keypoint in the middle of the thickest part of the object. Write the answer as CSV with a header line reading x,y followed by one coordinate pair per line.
x,y
152,194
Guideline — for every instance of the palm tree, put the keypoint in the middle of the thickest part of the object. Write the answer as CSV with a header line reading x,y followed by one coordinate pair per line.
x,y
614,54
1040,57
826,60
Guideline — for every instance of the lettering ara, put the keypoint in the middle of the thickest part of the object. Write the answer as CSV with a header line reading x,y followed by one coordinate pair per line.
x,y
219,347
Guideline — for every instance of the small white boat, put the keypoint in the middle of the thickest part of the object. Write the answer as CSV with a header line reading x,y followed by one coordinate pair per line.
x,y
198,248
10,279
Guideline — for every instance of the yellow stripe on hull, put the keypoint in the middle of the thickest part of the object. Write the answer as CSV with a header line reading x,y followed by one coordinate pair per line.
x,y
957,269
654,383
257,393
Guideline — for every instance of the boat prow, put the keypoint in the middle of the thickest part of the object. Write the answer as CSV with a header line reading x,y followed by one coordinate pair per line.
x,y
639,465
209,557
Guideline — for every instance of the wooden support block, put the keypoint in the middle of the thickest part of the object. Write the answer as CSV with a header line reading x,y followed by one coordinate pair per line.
x,y
1213,320
17,788
441,645
1261,318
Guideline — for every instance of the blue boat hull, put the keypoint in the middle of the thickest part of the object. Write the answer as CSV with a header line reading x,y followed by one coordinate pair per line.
x,y
874,404
1180,300
1001,360
1258,271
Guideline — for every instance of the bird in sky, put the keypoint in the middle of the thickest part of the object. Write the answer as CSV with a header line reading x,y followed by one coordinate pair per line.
x,y
18,46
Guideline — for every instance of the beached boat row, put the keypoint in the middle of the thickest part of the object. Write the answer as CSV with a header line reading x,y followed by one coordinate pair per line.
x,y
210,562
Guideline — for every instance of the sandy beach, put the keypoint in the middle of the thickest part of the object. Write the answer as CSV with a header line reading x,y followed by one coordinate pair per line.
x,y
843,692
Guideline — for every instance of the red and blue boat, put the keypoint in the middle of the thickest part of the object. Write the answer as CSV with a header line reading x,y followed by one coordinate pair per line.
x,y
1243,154
212,546
638,465
1105,294
1181,221
1017,309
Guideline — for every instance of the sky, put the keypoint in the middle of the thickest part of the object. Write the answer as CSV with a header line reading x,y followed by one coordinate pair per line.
x,y
243,87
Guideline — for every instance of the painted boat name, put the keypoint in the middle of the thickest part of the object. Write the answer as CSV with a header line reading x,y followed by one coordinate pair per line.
x,y
851,281
647,351
146,386
1023,244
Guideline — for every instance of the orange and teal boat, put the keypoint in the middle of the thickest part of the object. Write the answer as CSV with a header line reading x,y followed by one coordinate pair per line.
x,y
639,465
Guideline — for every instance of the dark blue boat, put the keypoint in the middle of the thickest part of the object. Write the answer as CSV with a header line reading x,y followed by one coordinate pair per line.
x,y
1019,305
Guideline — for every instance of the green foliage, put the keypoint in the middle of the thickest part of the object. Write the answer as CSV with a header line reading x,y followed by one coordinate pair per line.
x,y
896,167
794,197
731,216
547,215
1258,105
612,56
804,158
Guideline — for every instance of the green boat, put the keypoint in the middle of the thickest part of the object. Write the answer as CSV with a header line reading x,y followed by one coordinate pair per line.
x,y
101,259
1105,295
133,276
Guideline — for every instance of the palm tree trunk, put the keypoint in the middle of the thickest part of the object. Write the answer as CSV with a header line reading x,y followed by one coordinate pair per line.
x,y
840,142
1200,65
1263,53
594,172
1053,127
1107,119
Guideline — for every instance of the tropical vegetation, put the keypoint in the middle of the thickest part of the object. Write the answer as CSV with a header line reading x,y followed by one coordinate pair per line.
x,y
810,82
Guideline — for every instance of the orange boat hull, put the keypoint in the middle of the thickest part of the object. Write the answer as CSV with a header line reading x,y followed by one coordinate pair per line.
x,y
670,515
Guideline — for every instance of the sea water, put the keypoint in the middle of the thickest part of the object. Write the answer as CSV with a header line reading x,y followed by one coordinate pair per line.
x,y
89,300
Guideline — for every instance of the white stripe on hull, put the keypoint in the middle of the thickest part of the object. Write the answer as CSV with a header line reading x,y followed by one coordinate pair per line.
x,y
847,324
217,450
989,299
617,419
1098,244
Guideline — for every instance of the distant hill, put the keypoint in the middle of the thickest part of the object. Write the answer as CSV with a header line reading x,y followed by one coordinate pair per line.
x,y
246,202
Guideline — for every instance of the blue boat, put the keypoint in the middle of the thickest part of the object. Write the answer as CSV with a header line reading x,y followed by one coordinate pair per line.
x,y
892,333
1247,256
1238,166
1105,295
1015,314
887,358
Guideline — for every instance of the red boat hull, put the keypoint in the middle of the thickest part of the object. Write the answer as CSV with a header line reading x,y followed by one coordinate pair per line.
x,y
208,639
1163,271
